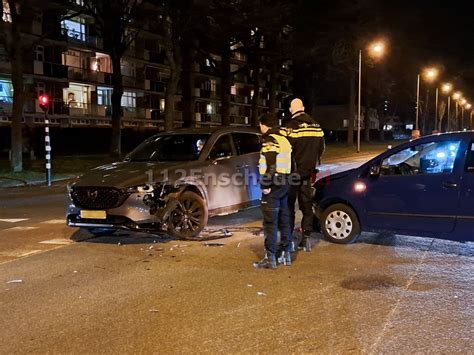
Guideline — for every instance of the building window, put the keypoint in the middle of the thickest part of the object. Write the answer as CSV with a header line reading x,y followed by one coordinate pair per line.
x,y
129,99
213,85
233,90
162,105
6,12
211,108
6,91
104,96
208,62
77,96
39,53
74,28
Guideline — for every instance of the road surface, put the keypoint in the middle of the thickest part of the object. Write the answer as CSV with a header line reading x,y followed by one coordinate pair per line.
x,y
63,291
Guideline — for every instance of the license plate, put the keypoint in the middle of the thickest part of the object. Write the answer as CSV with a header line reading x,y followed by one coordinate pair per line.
x,y
93,214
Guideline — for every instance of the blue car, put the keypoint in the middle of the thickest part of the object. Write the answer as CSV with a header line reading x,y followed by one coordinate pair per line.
x,y
424,187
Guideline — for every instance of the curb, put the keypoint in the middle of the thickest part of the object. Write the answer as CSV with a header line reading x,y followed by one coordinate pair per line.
x,y
25,183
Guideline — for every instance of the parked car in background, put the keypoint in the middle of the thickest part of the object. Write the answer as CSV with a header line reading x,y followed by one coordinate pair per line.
x,y
423,188
172,183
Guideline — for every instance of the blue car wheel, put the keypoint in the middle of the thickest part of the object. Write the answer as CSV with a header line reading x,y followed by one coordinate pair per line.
x,y
339,224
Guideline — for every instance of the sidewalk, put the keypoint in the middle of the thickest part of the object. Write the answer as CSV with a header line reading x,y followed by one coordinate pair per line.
x,y
67,167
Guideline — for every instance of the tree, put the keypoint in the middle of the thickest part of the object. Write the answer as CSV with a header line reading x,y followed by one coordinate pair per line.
x,y
181,19
117,23
266,20
19,44
331,34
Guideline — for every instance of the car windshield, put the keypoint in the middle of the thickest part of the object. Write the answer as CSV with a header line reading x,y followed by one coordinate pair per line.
x,y
173,147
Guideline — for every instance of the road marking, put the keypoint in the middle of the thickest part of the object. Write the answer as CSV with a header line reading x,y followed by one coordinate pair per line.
x,y
57,241
54,221
13,220
19,253
20,229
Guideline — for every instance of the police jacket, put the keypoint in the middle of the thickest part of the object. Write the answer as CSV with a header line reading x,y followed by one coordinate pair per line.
x,y
275,158
307,140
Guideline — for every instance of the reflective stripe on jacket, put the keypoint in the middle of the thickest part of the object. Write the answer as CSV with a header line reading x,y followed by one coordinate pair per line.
x,y
275,143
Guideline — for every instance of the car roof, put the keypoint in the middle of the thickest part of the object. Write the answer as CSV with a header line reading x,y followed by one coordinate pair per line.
x,y
211,130
444,136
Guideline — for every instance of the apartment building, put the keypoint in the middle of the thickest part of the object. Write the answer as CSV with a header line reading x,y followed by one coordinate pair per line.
x,y
71,66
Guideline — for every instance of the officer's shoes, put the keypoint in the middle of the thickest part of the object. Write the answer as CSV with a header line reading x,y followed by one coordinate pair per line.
x,y
305,244
285,258
268,262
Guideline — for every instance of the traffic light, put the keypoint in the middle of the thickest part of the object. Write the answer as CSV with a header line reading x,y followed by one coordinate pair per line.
x,y
44,102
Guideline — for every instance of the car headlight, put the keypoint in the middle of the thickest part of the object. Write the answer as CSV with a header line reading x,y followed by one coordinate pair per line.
x,y
146,189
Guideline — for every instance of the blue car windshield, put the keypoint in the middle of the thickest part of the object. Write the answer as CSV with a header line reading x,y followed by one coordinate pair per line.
x,y
428,158
172,147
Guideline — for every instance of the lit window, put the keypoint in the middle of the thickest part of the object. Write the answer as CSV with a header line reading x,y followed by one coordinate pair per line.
x,y
233,90
162,105
74,28
129,99
104,96
6,91
6,12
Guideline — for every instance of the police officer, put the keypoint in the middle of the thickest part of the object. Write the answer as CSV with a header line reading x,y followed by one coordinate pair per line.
x,y
307,140
275,167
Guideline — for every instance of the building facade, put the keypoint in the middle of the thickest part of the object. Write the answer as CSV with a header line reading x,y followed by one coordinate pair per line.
x,y
71,66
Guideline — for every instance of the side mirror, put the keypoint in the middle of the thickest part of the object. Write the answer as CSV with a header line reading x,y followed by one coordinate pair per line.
x,y
374,170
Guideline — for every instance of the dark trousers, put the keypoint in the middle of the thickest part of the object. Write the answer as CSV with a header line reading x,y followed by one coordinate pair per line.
x,y
276,217
302,192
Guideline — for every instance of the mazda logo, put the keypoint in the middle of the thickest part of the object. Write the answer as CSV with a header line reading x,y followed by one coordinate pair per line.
x,y
92,194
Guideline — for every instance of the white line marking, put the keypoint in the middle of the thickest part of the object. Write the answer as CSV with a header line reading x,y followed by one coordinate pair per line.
x,y
57,241
20,229
19,253
55,221
13,220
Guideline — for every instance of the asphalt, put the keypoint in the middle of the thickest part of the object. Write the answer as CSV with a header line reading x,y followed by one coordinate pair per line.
x,y
62,291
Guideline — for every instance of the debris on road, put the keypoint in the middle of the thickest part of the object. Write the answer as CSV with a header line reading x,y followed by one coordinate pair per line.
x,y
16,281
214,244
150,247
259,293
153,310
238,245
119,244
249,285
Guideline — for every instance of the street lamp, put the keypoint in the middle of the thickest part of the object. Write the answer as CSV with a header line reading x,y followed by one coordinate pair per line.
x,y
463,103
457,96
429,75
375,50
446,89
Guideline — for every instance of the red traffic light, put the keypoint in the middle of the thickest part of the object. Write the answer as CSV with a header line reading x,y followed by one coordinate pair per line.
x,y
44,102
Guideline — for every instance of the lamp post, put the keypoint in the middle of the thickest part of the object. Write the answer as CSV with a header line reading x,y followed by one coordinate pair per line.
x,y
468,107
436,110
429,75
376,50
456,97
446,89
463,102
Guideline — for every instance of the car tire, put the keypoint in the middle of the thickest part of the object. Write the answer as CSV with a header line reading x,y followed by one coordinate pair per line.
x,y
339,224
190,217
101,232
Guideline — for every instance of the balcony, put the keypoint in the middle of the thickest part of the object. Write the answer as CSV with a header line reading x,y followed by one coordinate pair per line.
x,y
77,37
156,57
55,70
79,74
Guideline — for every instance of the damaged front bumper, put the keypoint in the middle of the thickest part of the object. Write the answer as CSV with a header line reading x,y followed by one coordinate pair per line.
x,y
146,209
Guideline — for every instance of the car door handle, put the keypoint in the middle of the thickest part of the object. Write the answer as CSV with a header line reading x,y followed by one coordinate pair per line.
x,y
242,166
450,185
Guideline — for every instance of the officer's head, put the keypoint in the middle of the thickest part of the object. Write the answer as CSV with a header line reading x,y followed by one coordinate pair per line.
x,y
296,105
267,122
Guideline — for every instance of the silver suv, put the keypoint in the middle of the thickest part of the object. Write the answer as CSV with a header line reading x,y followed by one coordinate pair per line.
x,y
170,183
